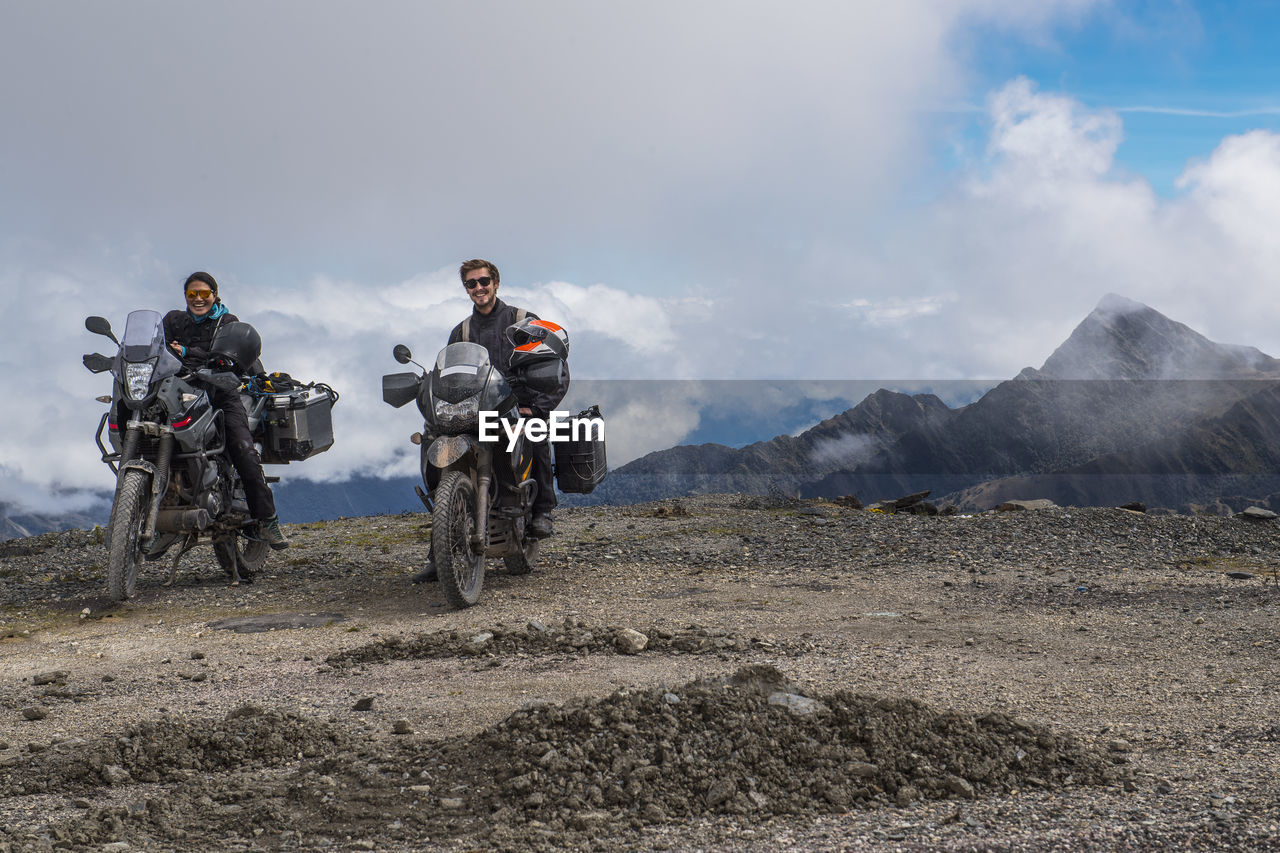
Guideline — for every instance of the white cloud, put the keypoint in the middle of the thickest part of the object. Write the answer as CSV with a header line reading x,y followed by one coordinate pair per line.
x,y
1237,190
895,309
1048,225
1040,138
686,206
632,320
338,332
843,452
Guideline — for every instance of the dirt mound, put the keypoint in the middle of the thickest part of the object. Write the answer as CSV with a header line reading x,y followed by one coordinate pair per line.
x,y
752,744
172,749
573,636
555,776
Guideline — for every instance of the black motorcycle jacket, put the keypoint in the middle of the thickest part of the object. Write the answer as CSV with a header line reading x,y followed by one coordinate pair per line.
x,y
181,327
487,331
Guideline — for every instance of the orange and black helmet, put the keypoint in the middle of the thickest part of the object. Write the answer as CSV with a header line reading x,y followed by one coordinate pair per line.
x,y
534,341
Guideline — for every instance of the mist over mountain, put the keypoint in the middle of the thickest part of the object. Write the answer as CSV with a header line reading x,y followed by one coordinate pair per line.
x,y
1132,406
1123,339
17,522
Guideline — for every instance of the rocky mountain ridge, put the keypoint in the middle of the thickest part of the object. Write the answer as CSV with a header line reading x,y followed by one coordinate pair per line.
x,y
1132,406
16,522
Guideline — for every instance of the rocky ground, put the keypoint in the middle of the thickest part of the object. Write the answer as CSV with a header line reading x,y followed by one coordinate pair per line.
x,y
721,673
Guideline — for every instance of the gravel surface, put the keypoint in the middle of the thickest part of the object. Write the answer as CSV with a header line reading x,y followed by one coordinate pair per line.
x,y
722,673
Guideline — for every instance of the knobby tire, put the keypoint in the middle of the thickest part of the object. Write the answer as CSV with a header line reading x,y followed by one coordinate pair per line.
x,y
460,570
127,518
252,553
522,562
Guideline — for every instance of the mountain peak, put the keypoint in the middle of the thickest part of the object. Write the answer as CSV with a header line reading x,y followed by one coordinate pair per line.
x,y
1114,303
1124,339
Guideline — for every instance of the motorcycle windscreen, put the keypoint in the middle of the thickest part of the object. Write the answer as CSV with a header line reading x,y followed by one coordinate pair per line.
x,y
460,372
144,340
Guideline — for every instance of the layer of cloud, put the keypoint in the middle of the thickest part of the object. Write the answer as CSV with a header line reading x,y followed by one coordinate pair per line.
x,y
1045,225
686,206
999,270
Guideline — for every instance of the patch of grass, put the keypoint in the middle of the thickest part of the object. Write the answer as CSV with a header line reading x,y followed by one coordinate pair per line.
x,y
1232,563
38,619
386,538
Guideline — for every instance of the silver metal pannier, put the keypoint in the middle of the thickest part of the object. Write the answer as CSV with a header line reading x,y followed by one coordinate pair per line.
x,y
297,424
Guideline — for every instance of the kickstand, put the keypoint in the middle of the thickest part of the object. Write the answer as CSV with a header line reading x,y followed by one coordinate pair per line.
x,y
187,545
235,563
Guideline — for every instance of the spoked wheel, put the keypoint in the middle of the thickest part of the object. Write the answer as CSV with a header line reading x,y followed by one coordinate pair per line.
x,y
252,554
128,514
453,520
522,562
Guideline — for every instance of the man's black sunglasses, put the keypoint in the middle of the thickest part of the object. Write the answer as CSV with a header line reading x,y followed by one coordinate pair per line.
x,y
482,281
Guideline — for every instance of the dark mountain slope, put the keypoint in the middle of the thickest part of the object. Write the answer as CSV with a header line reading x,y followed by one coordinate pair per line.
x,y
784,463
1236,453
1126,378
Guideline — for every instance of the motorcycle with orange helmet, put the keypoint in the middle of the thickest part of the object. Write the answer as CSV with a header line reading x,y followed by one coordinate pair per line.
x,y
480,491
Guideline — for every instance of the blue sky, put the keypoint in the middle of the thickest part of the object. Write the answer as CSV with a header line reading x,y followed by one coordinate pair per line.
x,y
924,190
1182,75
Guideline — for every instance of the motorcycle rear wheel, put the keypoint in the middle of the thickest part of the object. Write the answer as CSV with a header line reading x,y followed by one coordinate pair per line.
x,y
453,521
252,554
127,517
522,562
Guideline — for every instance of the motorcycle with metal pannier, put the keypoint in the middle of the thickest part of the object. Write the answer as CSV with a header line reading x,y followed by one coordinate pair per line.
x,y
480,493
175,486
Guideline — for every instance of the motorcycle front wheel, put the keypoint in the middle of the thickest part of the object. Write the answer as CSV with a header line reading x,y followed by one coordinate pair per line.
x,y
127,517
453,521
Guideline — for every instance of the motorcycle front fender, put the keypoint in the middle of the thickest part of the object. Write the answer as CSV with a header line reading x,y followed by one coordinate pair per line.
x,y
448,449
138,465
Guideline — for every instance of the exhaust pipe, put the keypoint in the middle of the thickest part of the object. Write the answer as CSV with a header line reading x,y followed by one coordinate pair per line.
x,y
182,520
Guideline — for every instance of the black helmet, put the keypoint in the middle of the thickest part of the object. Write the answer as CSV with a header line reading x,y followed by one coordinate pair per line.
x,y
535,341
546,376
237,345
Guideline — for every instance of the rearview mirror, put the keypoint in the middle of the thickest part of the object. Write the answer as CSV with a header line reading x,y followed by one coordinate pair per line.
x,y
401,354
100,326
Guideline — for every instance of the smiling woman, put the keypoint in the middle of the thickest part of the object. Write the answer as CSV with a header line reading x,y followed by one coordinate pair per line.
x,y
192,334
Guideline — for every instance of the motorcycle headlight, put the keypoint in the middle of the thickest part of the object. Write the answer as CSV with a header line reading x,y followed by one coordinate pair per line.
x,y
458,415
137,379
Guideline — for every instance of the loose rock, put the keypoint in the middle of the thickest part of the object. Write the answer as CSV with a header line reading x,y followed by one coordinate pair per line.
x,y
630,642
